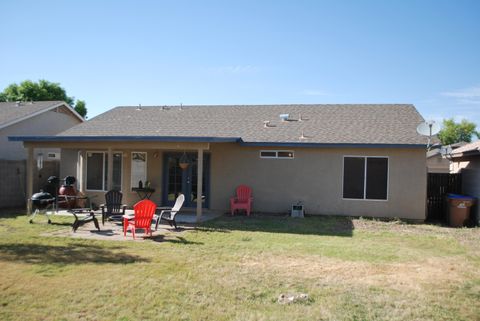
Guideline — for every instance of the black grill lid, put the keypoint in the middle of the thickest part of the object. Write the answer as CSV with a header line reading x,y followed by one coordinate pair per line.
x,y
42,196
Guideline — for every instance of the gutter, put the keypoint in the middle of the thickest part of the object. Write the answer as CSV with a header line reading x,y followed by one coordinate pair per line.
x,y
202,139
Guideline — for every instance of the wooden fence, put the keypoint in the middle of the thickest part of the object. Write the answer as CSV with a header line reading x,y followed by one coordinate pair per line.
x,y
438,185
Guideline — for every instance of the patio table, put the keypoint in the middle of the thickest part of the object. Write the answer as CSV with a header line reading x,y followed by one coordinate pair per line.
x,y
144,193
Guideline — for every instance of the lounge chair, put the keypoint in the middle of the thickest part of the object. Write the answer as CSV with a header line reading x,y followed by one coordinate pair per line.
x,y
142,219
243,200
113,207
169,214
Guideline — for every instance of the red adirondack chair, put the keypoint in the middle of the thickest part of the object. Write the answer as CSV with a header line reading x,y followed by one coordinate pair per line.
x,y
142,219
243,200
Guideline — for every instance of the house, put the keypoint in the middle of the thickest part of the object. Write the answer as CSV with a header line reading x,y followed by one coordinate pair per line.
x,y
466,160
438,163
29,118
336,159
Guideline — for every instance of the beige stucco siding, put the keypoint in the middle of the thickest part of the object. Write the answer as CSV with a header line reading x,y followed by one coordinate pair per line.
x,y
315,177
438,164
47,123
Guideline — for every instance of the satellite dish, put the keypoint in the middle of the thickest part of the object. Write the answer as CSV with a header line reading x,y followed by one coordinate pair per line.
x,y
428,128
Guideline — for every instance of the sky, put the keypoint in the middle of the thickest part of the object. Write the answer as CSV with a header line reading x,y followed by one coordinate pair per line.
x,y
117,53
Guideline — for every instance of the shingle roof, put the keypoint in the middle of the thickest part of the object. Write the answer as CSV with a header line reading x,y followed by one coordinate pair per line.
x,y
468,149
324,124
11,113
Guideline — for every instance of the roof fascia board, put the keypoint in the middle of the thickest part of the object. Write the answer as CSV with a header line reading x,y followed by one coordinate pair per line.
x,y
333,145
122,138
41,112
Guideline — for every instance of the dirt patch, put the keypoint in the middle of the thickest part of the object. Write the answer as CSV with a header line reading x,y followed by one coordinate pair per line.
x,y
412,275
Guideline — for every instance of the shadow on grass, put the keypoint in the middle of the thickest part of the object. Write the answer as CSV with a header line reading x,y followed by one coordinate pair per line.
x,y
314,225
64,255
175,240
12,213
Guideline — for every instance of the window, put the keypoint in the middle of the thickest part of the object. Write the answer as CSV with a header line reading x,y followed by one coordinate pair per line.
x,y
284,154
117,171
139,168
97,171
365,177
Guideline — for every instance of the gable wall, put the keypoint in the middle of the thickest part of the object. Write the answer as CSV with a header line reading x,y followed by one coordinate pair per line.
x,y
47,123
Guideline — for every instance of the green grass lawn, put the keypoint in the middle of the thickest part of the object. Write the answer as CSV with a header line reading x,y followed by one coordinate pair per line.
x,y
236,268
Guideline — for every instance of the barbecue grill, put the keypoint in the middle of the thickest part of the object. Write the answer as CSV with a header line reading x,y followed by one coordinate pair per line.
x,y
41,202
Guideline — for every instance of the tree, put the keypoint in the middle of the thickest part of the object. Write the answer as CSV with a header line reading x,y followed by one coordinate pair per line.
x,y
40,91
453,132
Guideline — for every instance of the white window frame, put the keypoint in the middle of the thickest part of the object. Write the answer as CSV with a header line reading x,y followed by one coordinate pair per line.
x,y
276,154
365,179
104,174
132,183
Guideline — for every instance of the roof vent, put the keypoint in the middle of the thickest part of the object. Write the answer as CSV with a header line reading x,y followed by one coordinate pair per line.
x,y
266,124
181,106
284,117
165,108
139,107
18,103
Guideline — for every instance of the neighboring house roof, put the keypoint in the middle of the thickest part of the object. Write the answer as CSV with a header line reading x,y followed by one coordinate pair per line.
x,y
467,150
438,149
13,112
345,124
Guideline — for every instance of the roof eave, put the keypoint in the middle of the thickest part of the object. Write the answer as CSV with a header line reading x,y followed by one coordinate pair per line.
x,y
122,139
333,145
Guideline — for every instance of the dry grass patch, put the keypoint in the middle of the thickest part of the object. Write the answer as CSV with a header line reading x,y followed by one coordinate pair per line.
x,y
235,269
399,276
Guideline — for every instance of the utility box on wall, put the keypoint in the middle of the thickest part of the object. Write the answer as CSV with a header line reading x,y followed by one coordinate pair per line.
x,y
297,210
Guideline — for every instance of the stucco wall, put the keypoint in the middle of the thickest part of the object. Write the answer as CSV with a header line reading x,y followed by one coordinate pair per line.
x,y
438,164
315,177
47,123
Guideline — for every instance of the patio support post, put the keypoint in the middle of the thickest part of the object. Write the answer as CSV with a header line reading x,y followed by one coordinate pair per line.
x,y
110,170
199,183
81,170
29,178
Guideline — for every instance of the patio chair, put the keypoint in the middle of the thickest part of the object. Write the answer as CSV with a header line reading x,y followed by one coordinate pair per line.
x,y
243,200
142,219
113,207
169,214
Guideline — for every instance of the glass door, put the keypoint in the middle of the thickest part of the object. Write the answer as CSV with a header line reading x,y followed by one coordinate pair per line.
x,y
177,180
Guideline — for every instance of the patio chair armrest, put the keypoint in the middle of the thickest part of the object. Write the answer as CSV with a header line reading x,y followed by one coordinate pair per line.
x,y
124,208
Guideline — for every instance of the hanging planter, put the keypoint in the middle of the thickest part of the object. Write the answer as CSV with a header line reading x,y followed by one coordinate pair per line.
x,y
184,161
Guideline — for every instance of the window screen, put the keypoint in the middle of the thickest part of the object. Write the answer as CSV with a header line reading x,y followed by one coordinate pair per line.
x,y
139,168
95,171
377,177
268,154
285,154
365,178
353,177
117,171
